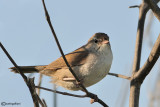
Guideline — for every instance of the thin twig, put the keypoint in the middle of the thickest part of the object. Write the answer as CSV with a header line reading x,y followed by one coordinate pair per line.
x,y
59,47
54,96
154,7
38,90
63,93
31,84
137,56
44,102
91,95
120,76
39,83
153,57
35,101
29,81
135,6
73,95
13,62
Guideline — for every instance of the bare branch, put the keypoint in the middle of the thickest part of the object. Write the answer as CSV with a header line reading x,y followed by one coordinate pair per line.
x,y
120,76
135,86
153,57
59,47
13,62
135,6
36,97
44,102
137,56
138,76
29,82
154,7
63,93
91,95
39,83
55,96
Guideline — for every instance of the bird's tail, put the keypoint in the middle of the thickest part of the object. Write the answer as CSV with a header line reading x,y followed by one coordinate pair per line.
x,y
28,69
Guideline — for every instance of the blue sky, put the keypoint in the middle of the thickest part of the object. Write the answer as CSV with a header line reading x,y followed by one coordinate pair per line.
x,y
27,37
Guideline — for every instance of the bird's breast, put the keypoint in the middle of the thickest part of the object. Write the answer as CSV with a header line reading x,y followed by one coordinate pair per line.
x,y
96,68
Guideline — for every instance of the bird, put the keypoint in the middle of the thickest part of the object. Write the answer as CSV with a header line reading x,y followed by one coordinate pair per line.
x,y
91,63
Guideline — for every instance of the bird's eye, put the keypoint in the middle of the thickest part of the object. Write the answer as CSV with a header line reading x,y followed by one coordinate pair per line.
x,y
95,40
106,38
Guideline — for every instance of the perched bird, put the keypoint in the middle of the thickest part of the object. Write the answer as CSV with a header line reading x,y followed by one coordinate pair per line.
x,y
91,63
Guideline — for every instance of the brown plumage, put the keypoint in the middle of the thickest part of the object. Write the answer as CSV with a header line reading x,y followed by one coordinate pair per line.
x,y
91,63
79,55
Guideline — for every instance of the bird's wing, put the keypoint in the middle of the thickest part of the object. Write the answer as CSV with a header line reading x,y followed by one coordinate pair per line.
x,y
75,58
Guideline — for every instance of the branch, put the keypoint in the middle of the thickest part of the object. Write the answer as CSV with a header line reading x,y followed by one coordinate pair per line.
x,y
139,75
120,76
54,96
44,102
73,95
135,86
91,95
29,81
39,83
59,47
153,57
135,6
137,56
154,7
36,97
13,62
59,92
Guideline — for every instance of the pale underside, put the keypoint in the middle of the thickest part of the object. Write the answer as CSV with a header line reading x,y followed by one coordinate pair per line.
x,y
89,73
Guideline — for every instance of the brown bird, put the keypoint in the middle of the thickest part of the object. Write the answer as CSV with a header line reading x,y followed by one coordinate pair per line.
x,y
91,63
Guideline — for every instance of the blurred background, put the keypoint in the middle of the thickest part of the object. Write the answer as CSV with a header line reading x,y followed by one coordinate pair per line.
x,y
26,35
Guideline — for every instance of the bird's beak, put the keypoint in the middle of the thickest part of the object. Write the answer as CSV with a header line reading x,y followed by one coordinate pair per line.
x,y
105,42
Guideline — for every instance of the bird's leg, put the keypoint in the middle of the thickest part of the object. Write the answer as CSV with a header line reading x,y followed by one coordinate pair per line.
x,y
76,83
69,79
